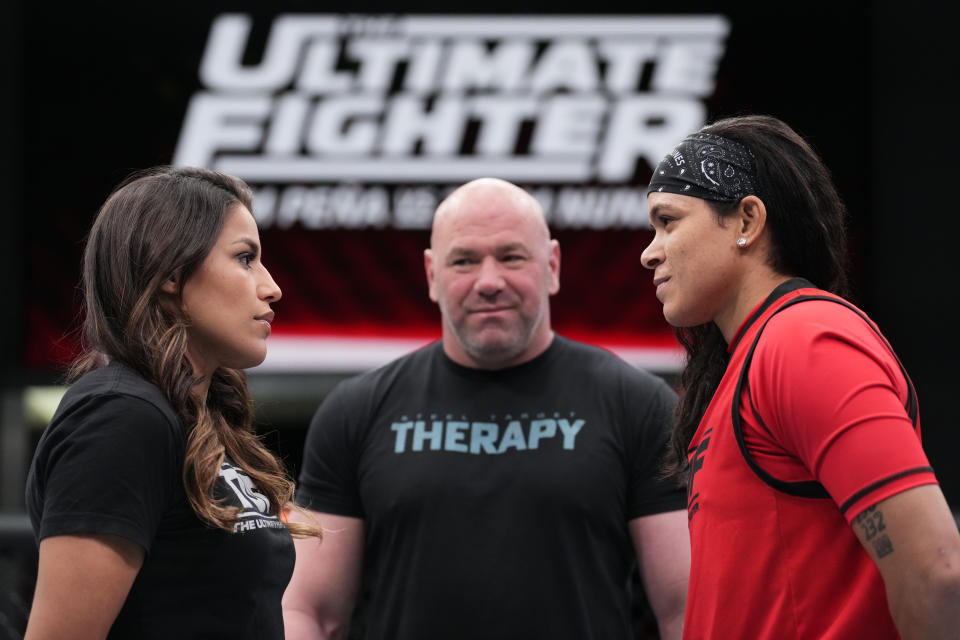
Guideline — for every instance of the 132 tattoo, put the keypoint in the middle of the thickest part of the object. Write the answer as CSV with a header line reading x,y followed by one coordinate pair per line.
x,y
872,526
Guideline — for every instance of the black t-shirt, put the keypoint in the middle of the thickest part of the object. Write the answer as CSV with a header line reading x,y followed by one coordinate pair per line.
x,y
495,503
111,462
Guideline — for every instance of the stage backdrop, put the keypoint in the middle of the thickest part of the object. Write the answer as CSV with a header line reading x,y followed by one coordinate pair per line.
x,y
352,127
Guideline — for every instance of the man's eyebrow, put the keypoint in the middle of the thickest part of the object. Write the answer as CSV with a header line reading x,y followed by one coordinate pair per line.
x,y
504,248
462,251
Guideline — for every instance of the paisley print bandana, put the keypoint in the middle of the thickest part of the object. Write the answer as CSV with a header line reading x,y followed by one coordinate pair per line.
x,y
706,166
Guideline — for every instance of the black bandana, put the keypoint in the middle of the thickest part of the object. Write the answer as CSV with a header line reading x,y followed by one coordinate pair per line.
x,y
708,167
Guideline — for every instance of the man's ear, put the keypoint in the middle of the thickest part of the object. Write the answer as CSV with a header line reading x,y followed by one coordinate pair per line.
x,y
428,268
752,219
553,261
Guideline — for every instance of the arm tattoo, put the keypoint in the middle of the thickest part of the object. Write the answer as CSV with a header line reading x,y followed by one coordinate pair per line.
x,y
871,525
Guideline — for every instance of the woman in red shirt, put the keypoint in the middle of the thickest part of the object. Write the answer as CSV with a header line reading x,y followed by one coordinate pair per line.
x,y
813,510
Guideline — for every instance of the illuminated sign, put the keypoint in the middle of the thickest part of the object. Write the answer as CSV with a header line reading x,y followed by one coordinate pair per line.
x,y
368,121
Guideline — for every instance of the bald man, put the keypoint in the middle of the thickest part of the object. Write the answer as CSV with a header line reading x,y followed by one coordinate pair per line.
x,y
500,483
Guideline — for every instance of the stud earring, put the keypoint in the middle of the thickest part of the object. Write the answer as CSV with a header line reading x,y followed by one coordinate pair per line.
x,y
741,242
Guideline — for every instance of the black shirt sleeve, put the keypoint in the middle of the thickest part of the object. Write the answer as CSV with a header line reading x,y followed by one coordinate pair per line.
x,y
108,465
328,475
650,417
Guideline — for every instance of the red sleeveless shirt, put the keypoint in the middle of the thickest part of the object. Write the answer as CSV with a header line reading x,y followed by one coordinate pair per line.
x,y
819,425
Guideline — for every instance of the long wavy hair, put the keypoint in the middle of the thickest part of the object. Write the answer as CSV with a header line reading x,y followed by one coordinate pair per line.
x,y
806,220
159,225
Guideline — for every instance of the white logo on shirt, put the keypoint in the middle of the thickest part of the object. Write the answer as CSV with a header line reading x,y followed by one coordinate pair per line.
x,y
255,507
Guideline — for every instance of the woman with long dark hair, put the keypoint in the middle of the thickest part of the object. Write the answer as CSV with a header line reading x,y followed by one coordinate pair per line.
x,y
158,511
813,510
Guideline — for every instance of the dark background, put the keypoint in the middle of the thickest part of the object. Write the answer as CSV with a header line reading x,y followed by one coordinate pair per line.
x,y
92,91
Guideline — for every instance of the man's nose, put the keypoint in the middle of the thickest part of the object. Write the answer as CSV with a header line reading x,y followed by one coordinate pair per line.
x,y
490,276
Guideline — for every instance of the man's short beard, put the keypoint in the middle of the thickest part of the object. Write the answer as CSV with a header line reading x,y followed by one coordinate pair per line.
x,y
494,354
501,353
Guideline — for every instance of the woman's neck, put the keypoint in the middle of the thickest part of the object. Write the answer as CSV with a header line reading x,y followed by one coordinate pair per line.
x,y
753,290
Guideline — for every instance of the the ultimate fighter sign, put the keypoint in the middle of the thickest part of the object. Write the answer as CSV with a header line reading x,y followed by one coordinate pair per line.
x,y
340,110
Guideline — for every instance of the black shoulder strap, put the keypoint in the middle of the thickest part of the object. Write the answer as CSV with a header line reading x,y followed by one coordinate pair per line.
x,y
810,488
